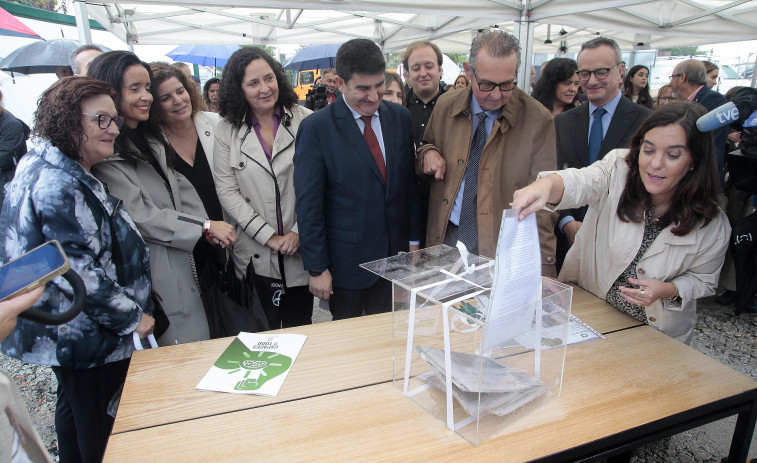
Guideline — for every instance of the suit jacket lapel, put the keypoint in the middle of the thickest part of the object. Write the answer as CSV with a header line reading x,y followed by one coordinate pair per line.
x,y
618,126
347,125
581,133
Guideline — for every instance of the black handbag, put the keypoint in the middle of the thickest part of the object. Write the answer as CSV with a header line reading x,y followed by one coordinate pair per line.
x,y
231,305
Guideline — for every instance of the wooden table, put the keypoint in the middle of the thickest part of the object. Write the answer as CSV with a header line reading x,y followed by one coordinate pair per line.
x,y
338,402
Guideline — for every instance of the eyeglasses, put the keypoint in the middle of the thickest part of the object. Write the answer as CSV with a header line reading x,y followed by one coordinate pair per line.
x,y
489,86
667,98
675,75
104,120
600,73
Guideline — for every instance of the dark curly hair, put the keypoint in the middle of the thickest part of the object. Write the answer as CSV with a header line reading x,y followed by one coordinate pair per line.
x,y
231,101
206,89
110,67
695,197
59,114
645,99
555,71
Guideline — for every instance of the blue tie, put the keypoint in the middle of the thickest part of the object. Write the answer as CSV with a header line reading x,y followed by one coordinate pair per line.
x,y
596,135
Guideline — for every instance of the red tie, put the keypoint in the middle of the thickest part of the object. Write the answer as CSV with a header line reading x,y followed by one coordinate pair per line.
x,y
373,144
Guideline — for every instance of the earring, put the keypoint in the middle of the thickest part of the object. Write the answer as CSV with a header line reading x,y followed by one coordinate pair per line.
x,y
691,169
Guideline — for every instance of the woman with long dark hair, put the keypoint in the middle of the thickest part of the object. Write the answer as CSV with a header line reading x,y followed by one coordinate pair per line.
x,y
557,87
210,94
658,198
253,165
636,86
163,203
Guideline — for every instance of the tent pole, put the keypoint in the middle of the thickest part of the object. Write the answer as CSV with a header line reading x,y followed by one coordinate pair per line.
x,y
524,32
82,21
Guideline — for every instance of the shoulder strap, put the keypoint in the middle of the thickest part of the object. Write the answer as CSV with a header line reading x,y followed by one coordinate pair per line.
x,y
115,247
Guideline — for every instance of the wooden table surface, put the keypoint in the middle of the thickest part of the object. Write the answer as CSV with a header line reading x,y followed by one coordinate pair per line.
x,y
160,386
635,377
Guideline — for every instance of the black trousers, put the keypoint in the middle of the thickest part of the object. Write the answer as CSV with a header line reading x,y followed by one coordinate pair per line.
x,y
293,308
81,419
349,303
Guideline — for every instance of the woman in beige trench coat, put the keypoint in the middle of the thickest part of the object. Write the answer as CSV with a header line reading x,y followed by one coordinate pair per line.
x,y
253,165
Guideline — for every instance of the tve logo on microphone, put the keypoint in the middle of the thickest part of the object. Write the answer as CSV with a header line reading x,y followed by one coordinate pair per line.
x,y
728,115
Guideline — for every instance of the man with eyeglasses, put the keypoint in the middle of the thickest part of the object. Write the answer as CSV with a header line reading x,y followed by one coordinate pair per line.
x,y
689,82
481,144
589,131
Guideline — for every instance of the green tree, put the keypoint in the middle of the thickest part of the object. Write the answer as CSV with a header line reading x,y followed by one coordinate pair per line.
x,y
49,5
393,60
683,51
267,48
458,58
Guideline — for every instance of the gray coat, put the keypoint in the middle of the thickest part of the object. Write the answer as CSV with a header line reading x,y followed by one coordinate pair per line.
x,y
170,232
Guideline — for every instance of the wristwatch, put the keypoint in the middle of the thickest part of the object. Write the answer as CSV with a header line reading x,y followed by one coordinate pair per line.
x,y
206,228
316,272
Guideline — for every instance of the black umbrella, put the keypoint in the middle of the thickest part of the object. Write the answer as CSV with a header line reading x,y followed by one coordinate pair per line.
x,y
40,57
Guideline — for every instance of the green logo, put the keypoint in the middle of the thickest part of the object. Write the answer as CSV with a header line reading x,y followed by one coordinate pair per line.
x,y
254,368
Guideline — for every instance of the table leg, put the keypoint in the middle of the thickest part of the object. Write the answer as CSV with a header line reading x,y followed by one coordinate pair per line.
x,y
742,434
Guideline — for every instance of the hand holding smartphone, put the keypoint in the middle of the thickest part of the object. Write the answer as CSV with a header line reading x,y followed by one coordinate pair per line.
x,y
33,269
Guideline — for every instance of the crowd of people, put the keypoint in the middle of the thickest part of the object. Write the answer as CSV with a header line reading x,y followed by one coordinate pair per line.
x,y
145,178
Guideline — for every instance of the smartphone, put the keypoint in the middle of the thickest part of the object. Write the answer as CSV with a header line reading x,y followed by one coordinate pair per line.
x,y
35,268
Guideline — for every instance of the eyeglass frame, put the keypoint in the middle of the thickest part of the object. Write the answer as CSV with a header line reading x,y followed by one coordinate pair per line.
x,y
676,75
512,84
119,120
604,71
667,98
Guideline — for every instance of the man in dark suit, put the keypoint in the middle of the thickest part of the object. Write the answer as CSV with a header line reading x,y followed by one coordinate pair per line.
x,y
355,186
589,131
689,82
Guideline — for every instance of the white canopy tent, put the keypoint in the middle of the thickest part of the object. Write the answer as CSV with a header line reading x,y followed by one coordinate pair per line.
x,y
543,26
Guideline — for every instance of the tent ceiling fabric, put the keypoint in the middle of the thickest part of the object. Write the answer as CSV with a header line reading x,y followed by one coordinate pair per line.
x,y
451,24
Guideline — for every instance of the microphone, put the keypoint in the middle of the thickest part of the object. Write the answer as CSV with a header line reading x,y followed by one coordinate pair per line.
x,y
741,111
287,119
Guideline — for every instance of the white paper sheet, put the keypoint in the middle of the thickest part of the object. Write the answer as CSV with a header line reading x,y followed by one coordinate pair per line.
x,y
517,279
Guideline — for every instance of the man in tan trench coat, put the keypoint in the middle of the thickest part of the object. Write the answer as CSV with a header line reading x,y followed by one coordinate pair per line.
x,y
515,137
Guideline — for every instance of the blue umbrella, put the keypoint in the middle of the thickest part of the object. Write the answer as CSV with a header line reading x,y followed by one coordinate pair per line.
x,y
313,57
205,55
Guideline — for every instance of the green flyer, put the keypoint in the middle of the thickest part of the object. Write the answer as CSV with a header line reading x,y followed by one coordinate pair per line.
x,y
254,364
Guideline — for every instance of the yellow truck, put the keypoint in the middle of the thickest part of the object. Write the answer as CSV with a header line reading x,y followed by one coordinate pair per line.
x,y
303,81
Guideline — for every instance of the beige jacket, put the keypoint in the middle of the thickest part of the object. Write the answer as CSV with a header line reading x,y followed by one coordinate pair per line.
x,y
520,145
205,124
605,246
245,186
171,232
